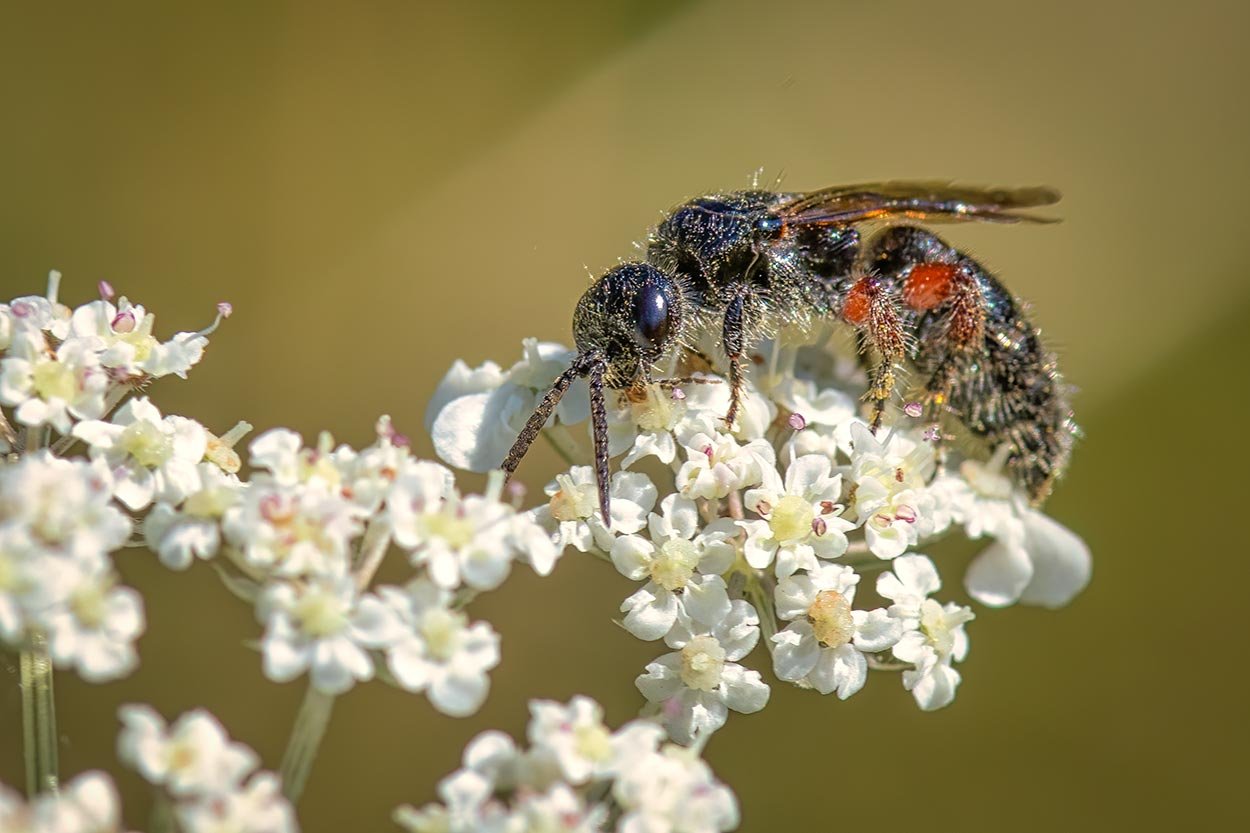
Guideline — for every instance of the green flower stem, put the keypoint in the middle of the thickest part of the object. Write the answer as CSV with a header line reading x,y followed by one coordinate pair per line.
x,y
161,819
38,718
6,431
761,598
567,447
372,552
301,750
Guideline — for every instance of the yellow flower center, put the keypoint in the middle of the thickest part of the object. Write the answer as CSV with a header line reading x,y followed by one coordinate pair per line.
x,y
181,756
54,380
141,340
593,742
573,502
674,564
654,409
209,503
441,629
320,614
451,526
314,464
702,661
88,602
147,443
8,572
791,519
830,615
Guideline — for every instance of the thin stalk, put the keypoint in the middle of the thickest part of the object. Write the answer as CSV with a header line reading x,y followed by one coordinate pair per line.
x,y
301,750
7,433
161,819
39,718
760,597
111,400
372,551
567,447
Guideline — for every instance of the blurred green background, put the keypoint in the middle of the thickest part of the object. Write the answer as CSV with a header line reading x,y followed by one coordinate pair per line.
x,y
381,188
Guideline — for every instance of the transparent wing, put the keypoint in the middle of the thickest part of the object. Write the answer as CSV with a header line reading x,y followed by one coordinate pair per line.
x,y
934,201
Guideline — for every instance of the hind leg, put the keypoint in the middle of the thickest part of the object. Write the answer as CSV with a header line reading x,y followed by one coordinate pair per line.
x,y
940,298
872,307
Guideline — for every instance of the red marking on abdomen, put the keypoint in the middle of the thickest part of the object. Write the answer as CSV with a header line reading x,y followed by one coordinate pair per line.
x,y
928,285
858,302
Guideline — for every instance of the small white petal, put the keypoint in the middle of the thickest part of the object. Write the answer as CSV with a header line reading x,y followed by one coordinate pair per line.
x,y
1061,562
999,574
650,612
745,692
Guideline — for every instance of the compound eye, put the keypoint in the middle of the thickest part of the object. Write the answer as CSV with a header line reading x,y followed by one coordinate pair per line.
x,y
653,315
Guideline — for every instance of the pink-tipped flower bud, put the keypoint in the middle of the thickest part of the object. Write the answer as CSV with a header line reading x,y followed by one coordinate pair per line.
x,y
106,290
819,527
678,394
225,309
913,409
797,422
123,322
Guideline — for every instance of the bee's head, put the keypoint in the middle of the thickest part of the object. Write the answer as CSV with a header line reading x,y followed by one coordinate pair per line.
x,y
633,317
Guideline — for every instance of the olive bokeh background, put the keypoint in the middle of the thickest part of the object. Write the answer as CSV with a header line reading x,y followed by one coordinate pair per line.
x,y
382,188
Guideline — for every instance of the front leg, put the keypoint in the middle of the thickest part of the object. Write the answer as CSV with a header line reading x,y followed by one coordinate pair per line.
x,y
733,338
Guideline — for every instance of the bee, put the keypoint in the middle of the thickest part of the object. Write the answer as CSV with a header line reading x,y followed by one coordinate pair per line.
x,y
748,263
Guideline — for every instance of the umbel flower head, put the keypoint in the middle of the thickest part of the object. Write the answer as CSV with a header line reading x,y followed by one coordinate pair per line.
x,y
767,527
746,546
577,775
69,380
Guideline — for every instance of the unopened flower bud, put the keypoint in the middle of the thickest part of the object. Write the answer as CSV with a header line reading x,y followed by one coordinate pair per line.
x,y
123,322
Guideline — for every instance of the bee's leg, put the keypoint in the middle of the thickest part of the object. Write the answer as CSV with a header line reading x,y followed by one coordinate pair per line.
x,y
599,424
678,381
733,338
871,306
702,357
951,291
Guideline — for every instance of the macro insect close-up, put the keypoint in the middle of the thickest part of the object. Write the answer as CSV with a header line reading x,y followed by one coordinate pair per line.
x,y
641,416
747,264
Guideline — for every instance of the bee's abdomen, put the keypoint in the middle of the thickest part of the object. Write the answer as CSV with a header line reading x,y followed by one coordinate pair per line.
x,y
1011,392
1006,388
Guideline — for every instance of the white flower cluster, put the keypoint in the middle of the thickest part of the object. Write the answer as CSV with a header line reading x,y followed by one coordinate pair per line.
x,y
302,538
211,781
87,804
771,526
305,536
577,776
61,372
